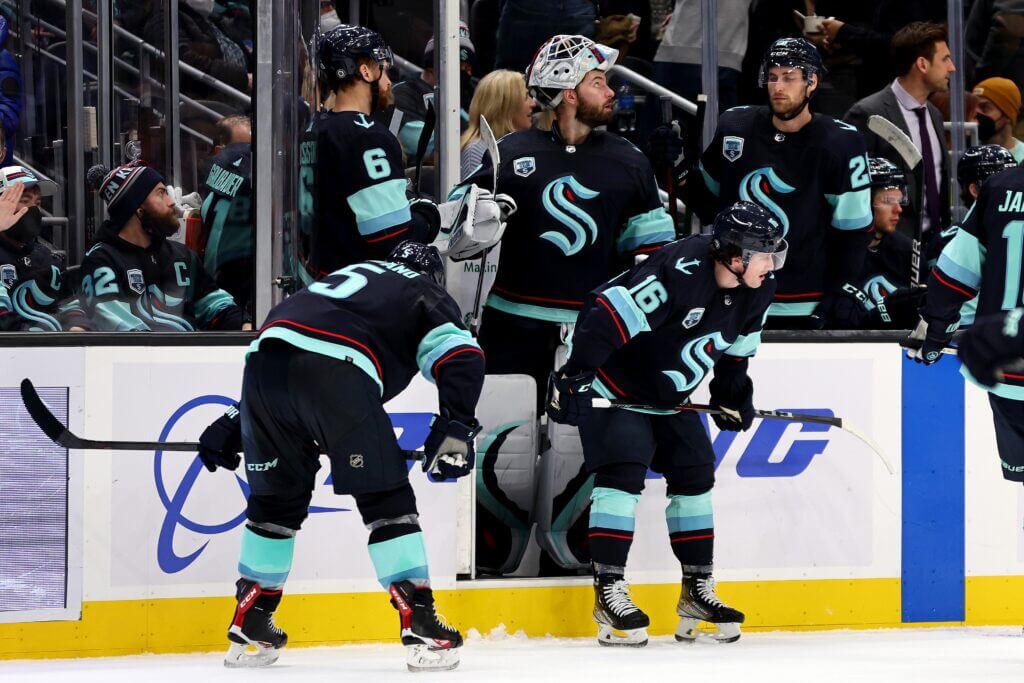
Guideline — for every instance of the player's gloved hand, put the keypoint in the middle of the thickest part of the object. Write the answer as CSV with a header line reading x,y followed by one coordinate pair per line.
x,y
735,398
991,344
427,210
665,147
220,443
506,205
843,310
448,451
925,343
571,397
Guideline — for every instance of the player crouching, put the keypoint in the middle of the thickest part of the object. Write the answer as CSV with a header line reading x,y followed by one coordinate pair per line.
x,y
647,338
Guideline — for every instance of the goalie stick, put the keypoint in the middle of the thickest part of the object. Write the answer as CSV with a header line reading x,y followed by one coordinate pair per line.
x,y
62,436
487,135
911,155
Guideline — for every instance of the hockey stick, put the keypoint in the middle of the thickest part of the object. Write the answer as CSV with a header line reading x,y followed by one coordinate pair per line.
x,y
764,415
487,135
670,180
911,155
62,436
429,121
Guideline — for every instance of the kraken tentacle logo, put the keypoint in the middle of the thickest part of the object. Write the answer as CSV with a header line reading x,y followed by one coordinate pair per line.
x,y
757,186
697,358
558,198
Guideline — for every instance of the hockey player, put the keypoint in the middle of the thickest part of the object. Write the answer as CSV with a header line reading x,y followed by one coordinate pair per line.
x,y
354,182
134,278
648,337
35,294
809,170
317,377
587,204
983,259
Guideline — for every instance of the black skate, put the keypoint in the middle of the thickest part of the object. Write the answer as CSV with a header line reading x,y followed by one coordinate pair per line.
x,y
698,603
253,626
431,644
619,620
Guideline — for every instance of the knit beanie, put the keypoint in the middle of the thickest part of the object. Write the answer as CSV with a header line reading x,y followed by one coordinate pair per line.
x,y
124,189
1003,93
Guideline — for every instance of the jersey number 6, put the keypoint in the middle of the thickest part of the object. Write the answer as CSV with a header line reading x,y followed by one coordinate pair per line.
x,y
376,163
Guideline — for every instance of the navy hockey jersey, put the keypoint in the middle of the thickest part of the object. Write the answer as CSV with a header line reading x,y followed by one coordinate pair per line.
x,y
35,295
583,212
815,181
163,287
389,321
984,259
353,193
228,217
653,332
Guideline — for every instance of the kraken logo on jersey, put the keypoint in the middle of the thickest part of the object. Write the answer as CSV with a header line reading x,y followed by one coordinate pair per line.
x,y
757,186
697,358
559,197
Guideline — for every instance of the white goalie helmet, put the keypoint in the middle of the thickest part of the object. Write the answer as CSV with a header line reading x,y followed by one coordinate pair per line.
x,y
561,63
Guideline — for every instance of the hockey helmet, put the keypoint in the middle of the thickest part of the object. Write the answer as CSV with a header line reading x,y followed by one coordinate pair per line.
x,y
561,64
341,47
753,229
980,162
422,258
885,175
798,53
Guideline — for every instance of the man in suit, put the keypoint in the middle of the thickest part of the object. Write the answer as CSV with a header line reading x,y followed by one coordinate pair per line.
x,y
921,55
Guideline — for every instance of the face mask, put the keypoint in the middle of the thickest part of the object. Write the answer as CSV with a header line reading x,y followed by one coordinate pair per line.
x,y
986,127
28,226
203,7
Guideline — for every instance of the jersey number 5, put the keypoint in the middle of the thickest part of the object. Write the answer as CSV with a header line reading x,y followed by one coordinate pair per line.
x,y
353,282
376,163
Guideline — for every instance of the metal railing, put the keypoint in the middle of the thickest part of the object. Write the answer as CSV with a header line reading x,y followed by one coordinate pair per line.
x,y
655,88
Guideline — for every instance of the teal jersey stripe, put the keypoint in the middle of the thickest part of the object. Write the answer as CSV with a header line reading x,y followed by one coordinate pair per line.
x,y
409,137
324,348
746,345
851,210
116,316
653,227
626,308
267,561
554,315
794,310
607,521
210,305
606,501
438,343
380,206
399,558
968,312
963,258
1010,391
713,185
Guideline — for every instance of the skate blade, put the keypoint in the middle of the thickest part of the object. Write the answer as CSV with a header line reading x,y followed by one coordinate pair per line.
x,y
688,632
240,657
613,637
421,658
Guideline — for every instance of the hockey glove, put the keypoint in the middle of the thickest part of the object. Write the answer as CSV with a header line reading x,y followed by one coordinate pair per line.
x,y
448,451
735,398
991,344
427,211
844,310
925,343
665,147
221,441
571,398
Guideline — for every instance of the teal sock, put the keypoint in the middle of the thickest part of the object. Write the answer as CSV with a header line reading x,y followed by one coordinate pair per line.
x,y
401,558
264,560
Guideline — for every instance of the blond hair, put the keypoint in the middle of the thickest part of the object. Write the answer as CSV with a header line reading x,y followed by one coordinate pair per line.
x,y
499,95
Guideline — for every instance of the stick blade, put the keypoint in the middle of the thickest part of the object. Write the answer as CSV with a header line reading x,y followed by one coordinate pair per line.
x,y
890,132
487,135
41,414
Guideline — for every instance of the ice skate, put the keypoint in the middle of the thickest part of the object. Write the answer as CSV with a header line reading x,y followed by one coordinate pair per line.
x,y
431,644
698,603
619,620
253,627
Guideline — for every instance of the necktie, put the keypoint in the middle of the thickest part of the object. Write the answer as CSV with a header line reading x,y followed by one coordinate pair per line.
x,y
931,184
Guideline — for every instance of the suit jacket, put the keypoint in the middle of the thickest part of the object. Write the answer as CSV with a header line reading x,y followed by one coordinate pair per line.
x,y
884,103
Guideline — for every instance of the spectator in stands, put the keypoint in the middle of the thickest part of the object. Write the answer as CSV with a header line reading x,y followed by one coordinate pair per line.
x,y
994,39
410,95
921,57
228,218
525,24
998,108
35,293
677,63
10,95
136,279
632,20
235,19
502,99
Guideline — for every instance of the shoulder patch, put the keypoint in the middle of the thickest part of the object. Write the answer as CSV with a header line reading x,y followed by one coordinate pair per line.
x,y
8,275
136,282
732,147
524,166
693,317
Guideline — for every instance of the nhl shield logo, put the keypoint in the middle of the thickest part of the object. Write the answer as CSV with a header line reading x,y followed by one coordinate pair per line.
x,y
136,282
524,167
355,460
693,317
732,147
8,275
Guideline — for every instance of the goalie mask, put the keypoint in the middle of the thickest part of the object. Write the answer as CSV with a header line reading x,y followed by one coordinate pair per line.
x,y
561,63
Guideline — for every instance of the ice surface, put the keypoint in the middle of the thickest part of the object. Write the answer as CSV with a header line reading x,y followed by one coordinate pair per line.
x,y
932,655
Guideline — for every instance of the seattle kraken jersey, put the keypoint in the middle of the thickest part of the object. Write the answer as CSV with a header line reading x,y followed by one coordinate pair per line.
x,y
816,183
389,321
652,333
887,272
353,193
984,259
34,293
161,288
227,209
583,212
